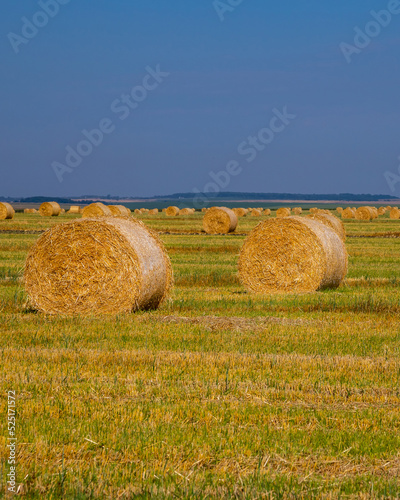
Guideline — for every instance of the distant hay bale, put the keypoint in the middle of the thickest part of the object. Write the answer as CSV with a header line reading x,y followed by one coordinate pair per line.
x,y
332,222
96,210
186,211
348,213
105,265
153,211
172,211
137,211
62,211
375,213
339,210
6,211
297,210
388,208
240,212
314,210
30,211
50,209
292,255
119,210
283,212
219,220
204,209
74,209
267,211
364,213
395,213
256,212
381,211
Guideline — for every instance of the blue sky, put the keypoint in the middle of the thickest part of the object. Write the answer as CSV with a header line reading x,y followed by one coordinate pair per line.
x,y
224,80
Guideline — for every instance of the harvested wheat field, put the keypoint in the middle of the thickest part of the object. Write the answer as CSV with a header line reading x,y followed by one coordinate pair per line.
x,y
219,391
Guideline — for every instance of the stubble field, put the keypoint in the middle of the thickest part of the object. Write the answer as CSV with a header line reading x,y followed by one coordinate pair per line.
x,y
219,393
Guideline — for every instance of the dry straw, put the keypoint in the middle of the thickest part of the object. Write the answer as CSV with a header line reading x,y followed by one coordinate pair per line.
x,y
293,254
375,213
96,210
364,213
30,211
314,210
119,210
105,265
172,211
267,211
240,212
332,222
186,211
256,212
6,211
219,220
297,210
137,211
74,209
153,211
395,213
50,209
381,211
339,210
283,212
348,213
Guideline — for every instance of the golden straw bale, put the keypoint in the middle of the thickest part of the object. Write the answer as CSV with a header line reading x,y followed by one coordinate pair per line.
x,y
104,265
172,211
297,210
204,209
388,208
364,213
375,213
292,254
186,211
74,209
283,212
348,213
125,210
219,220
267,211
96,210
332,222
314,210
62,211
137,211
240,212
381,211
6,211
339,210
255,213
114,209
153,211
395,213
49,209
30,211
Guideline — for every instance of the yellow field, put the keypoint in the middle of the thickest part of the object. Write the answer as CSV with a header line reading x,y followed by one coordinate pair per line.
x,y
218,394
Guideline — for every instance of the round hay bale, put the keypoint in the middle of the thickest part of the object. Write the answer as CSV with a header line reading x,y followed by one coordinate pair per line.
x,y
388,208
153,211
186,211
297,210
283,212
30,211
395,213
364,213
96,210
375,213
62,211
267,211
125,210
137,211
204,209
114,209
381,211
255,213
49,209
219,220
6,211
239,212
339,210
348,213
104,265
74,209
292,254
172,211
332,222
314,210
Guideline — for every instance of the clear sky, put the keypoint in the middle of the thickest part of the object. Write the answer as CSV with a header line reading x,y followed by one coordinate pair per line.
x,y
213,80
